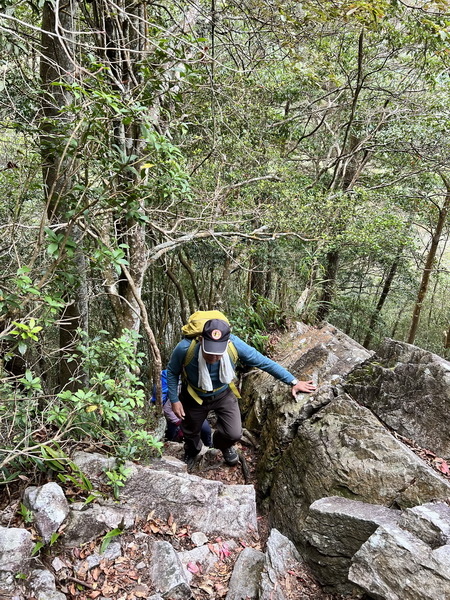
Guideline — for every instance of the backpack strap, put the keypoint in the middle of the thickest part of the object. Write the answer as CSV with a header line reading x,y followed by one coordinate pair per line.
x,y
234,356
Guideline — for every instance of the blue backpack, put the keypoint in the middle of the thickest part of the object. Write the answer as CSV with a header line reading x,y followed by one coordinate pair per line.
x,y
164,388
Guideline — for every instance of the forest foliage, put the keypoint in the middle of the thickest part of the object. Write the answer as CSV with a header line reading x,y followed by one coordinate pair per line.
x,y
276,160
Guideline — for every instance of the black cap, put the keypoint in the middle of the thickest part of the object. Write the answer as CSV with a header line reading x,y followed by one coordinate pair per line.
x,y
215,336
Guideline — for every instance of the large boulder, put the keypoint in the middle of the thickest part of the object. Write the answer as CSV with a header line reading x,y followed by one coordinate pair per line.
x,y
408,389
334,530
344,450
324,355
394,564
214,507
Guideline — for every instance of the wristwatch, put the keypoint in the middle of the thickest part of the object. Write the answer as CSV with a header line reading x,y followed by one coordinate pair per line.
x,y
294,381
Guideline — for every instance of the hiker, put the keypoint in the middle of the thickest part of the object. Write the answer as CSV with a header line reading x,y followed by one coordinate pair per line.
x,y
206,365
173,423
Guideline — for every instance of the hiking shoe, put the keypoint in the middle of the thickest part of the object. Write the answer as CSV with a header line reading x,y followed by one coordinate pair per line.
x,y
190,460
230,456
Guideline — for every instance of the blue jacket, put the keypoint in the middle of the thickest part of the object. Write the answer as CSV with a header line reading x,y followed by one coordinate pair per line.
x,y
247,355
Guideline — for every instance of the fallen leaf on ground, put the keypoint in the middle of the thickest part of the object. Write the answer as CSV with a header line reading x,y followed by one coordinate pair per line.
x,y
192,567
141,591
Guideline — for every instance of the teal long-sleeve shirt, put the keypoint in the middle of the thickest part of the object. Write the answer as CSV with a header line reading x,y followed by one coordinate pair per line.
x,y
247,356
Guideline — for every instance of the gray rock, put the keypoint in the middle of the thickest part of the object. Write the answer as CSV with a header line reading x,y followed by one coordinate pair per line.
x,y
112,552
16,546
325,355
94,464
395,565
429,522
344,450
281,553
334,531
281,556
42,584
168,463
96,520
201,557
50,508
409,389
166,572
7,582
244,582
214,507
198,538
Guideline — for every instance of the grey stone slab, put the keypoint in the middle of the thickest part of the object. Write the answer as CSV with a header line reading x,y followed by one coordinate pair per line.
x,y
245,579
334,531
396,565
430,522
167,572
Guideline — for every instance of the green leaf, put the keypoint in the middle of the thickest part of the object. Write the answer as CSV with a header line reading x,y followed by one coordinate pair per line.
x,y
91,498
106,540
36,548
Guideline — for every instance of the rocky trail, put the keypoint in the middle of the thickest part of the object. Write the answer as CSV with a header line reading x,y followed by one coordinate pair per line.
x,y
346,494
119,567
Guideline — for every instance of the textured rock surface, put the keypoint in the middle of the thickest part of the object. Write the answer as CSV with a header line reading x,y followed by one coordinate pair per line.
x,y
42,583
281,556
86,525
408,389
429,522
93,464
49,506
167,572
244,582
213,506
395,565
335,529
15,549
343,450
325,355
15,552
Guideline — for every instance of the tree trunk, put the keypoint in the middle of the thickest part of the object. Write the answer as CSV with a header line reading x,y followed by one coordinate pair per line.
x,y
329,285
58,166
346,173
183,311
382,299
443,212
447,339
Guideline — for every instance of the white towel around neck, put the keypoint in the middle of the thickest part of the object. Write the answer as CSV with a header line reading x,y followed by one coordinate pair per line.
x,y
226,371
